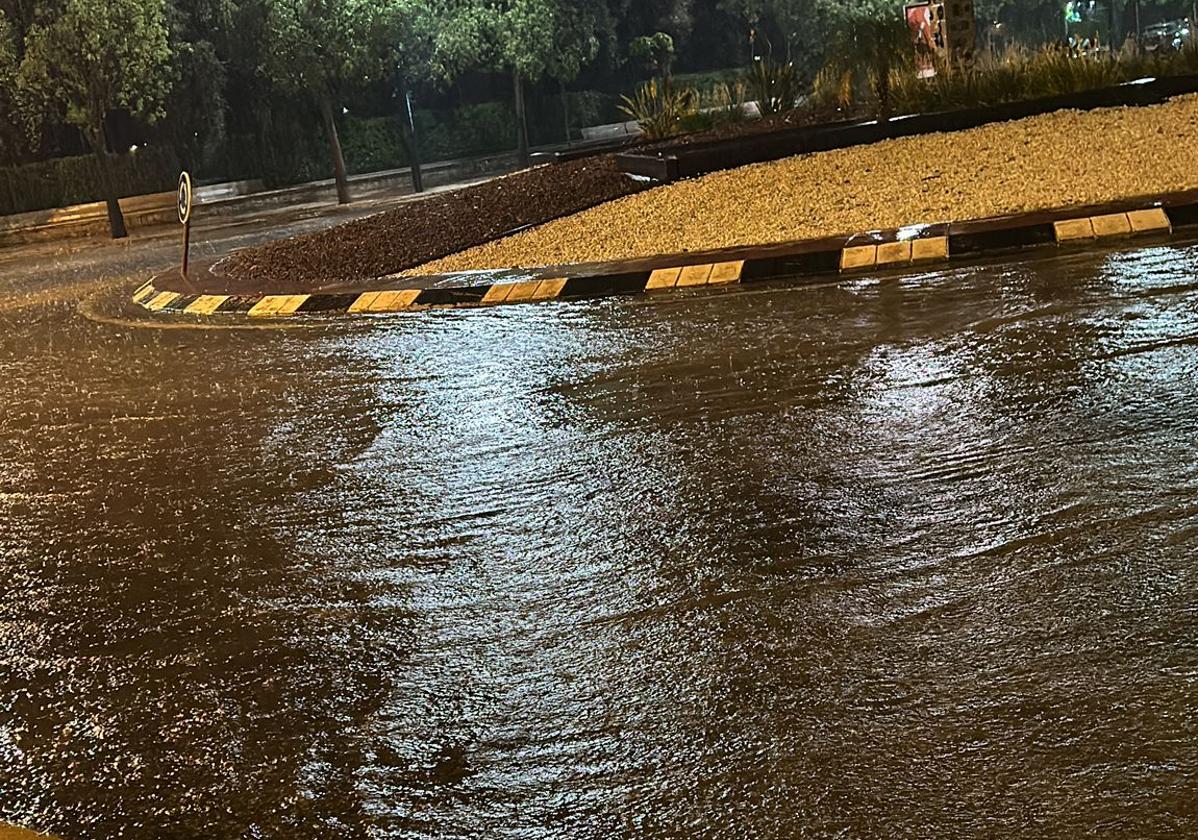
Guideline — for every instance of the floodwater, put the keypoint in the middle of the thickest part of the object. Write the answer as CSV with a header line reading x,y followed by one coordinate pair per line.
x,y
897,557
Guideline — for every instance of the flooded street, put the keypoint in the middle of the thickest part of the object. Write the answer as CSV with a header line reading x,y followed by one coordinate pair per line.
x,y
905,557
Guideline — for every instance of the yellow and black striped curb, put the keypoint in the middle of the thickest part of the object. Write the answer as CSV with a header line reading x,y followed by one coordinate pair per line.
x,y
1154,220
156,299
886,250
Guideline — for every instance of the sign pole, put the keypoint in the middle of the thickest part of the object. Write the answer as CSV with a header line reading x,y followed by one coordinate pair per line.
x,y
184,205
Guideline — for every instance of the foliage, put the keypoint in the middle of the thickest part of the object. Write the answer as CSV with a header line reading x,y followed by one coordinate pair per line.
x,y
205,40
534,38
10,135
709,79
466,131
405,38
660,108
774,85
1188,57
1019,74
728,99
592,107
8,55
868,54
197,101
312,48
94,56
654,51
378,143
722,105
797,22
372,145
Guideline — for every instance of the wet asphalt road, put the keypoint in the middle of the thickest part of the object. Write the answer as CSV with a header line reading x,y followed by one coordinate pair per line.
x,y
885,558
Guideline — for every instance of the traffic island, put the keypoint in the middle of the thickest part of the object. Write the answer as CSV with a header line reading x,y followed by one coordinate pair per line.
x,y
205,293
586,211
1067,178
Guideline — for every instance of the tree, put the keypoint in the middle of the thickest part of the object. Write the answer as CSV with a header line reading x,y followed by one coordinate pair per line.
x,y
200,43
409,46
530,39
525,33
314,46
655,51
10,136
91,57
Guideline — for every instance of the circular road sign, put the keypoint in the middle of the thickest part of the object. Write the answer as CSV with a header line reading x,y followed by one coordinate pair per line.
x,y
184,198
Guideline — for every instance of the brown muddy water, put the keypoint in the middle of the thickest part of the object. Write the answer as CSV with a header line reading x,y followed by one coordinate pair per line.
x,y
893,557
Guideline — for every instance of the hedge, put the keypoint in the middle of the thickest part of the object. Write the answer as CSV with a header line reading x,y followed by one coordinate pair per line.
x,y
77,180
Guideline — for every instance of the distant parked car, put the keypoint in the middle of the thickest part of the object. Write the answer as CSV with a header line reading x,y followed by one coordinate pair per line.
x,y
1167,36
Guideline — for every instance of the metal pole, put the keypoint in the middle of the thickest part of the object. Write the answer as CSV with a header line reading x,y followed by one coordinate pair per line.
x,y
417,175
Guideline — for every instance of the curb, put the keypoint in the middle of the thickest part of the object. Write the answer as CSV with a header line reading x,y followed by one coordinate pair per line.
x,y
801,261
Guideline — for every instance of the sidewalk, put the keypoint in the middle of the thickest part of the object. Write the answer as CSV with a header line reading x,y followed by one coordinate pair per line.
x,y
145,213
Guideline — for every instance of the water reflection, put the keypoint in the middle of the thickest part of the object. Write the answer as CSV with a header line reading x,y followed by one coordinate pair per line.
x,y
897,556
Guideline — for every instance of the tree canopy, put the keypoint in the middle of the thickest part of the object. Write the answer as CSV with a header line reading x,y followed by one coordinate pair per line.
x,y
89,57
10,136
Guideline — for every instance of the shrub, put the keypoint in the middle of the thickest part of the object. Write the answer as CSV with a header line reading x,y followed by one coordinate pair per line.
x,y
862,64
470,130
1018,74
372,145
77,180
722,105
661,109
774,85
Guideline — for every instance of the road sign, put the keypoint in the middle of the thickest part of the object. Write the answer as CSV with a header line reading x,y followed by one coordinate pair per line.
x,y
184,198
184,205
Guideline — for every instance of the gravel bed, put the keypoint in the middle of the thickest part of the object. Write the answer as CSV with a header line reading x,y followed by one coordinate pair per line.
x,y
1056,160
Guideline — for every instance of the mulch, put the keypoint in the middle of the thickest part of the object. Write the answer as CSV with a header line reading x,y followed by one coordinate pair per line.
x,y
433,227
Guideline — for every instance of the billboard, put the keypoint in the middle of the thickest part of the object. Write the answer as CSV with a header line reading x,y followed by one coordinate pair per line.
x,y
944,28
923,22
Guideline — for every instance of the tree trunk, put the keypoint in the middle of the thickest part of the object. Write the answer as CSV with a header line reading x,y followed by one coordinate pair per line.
x,y
886,61
330,128
566,115
521,119
116,219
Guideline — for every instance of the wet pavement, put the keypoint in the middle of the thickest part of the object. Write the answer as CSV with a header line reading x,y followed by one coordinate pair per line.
x,y
909,557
